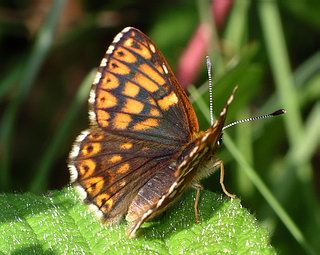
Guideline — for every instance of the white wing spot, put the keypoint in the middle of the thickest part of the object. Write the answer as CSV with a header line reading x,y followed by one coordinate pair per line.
x,y
126,29
73,173
117,37
104,61
97,78
152,48
165,69
92,116
92,96
82,136
95,209
75,151
81,192
109,50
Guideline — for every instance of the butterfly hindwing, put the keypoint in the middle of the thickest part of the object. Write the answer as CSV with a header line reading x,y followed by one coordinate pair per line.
x,y
109,170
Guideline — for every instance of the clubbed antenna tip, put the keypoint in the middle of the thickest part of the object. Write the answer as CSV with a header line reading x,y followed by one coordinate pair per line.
x,y
278,112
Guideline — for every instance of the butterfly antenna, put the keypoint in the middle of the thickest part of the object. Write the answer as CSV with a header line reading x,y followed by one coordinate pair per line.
x,y
278,112
209,68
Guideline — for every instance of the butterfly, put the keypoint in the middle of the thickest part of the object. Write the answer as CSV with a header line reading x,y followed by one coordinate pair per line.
x,y
143,147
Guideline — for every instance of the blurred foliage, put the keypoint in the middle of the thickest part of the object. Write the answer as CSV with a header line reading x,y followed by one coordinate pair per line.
x,y
269,48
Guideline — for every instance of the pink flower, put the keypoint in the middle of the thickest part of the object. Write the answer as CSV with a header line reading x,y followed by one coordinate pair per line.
x,y
193,56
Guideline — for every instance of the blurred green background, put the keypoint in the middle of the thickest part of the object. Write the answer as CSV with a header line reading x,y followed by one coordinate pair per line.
x,y
49,50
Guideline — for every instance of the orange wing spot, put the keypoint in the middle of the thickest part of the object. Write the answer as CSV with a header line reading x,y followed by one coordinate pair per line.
x,y
146,124
102,199
86,168
90,149
121,120
123,168
115,158
93,185
132,106
168,101
142,50
103,117
129,42
124,55
130,89
146,83
152,101
97,137
108,204
117,67
105,100
159,68
109,81
152,74
154,112
126,146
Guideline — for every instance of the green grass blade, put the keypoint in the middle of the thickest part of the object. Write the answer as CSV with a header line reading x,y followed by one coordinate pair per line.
x,y
279,62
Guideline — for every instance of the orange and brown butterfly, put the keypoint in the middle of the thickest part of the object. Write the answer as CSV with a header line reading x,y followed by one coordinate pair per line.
x,y
143,147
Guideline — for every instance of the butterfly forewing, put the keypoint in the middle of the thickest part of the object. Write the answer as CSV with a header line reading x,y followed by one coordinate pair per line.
x,y
136,94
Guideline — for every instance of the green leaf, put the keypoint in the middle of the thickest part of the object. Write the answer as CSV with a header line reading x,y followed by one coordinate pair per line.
x,y
58,223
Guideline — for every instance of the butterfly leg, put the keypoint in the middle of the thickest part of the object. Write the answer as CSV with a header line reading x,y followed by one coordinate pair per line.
x,y
198,187
220,164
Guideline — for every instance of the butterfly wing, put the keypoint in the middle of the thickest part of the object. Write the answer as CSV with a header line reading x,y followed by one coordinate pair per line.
x,y
139,119
108,170
136,94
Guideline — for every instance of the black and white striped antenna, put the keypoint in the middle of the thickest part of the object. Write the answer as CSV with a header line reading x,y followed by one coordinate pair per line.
x,y
209,68
275,113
